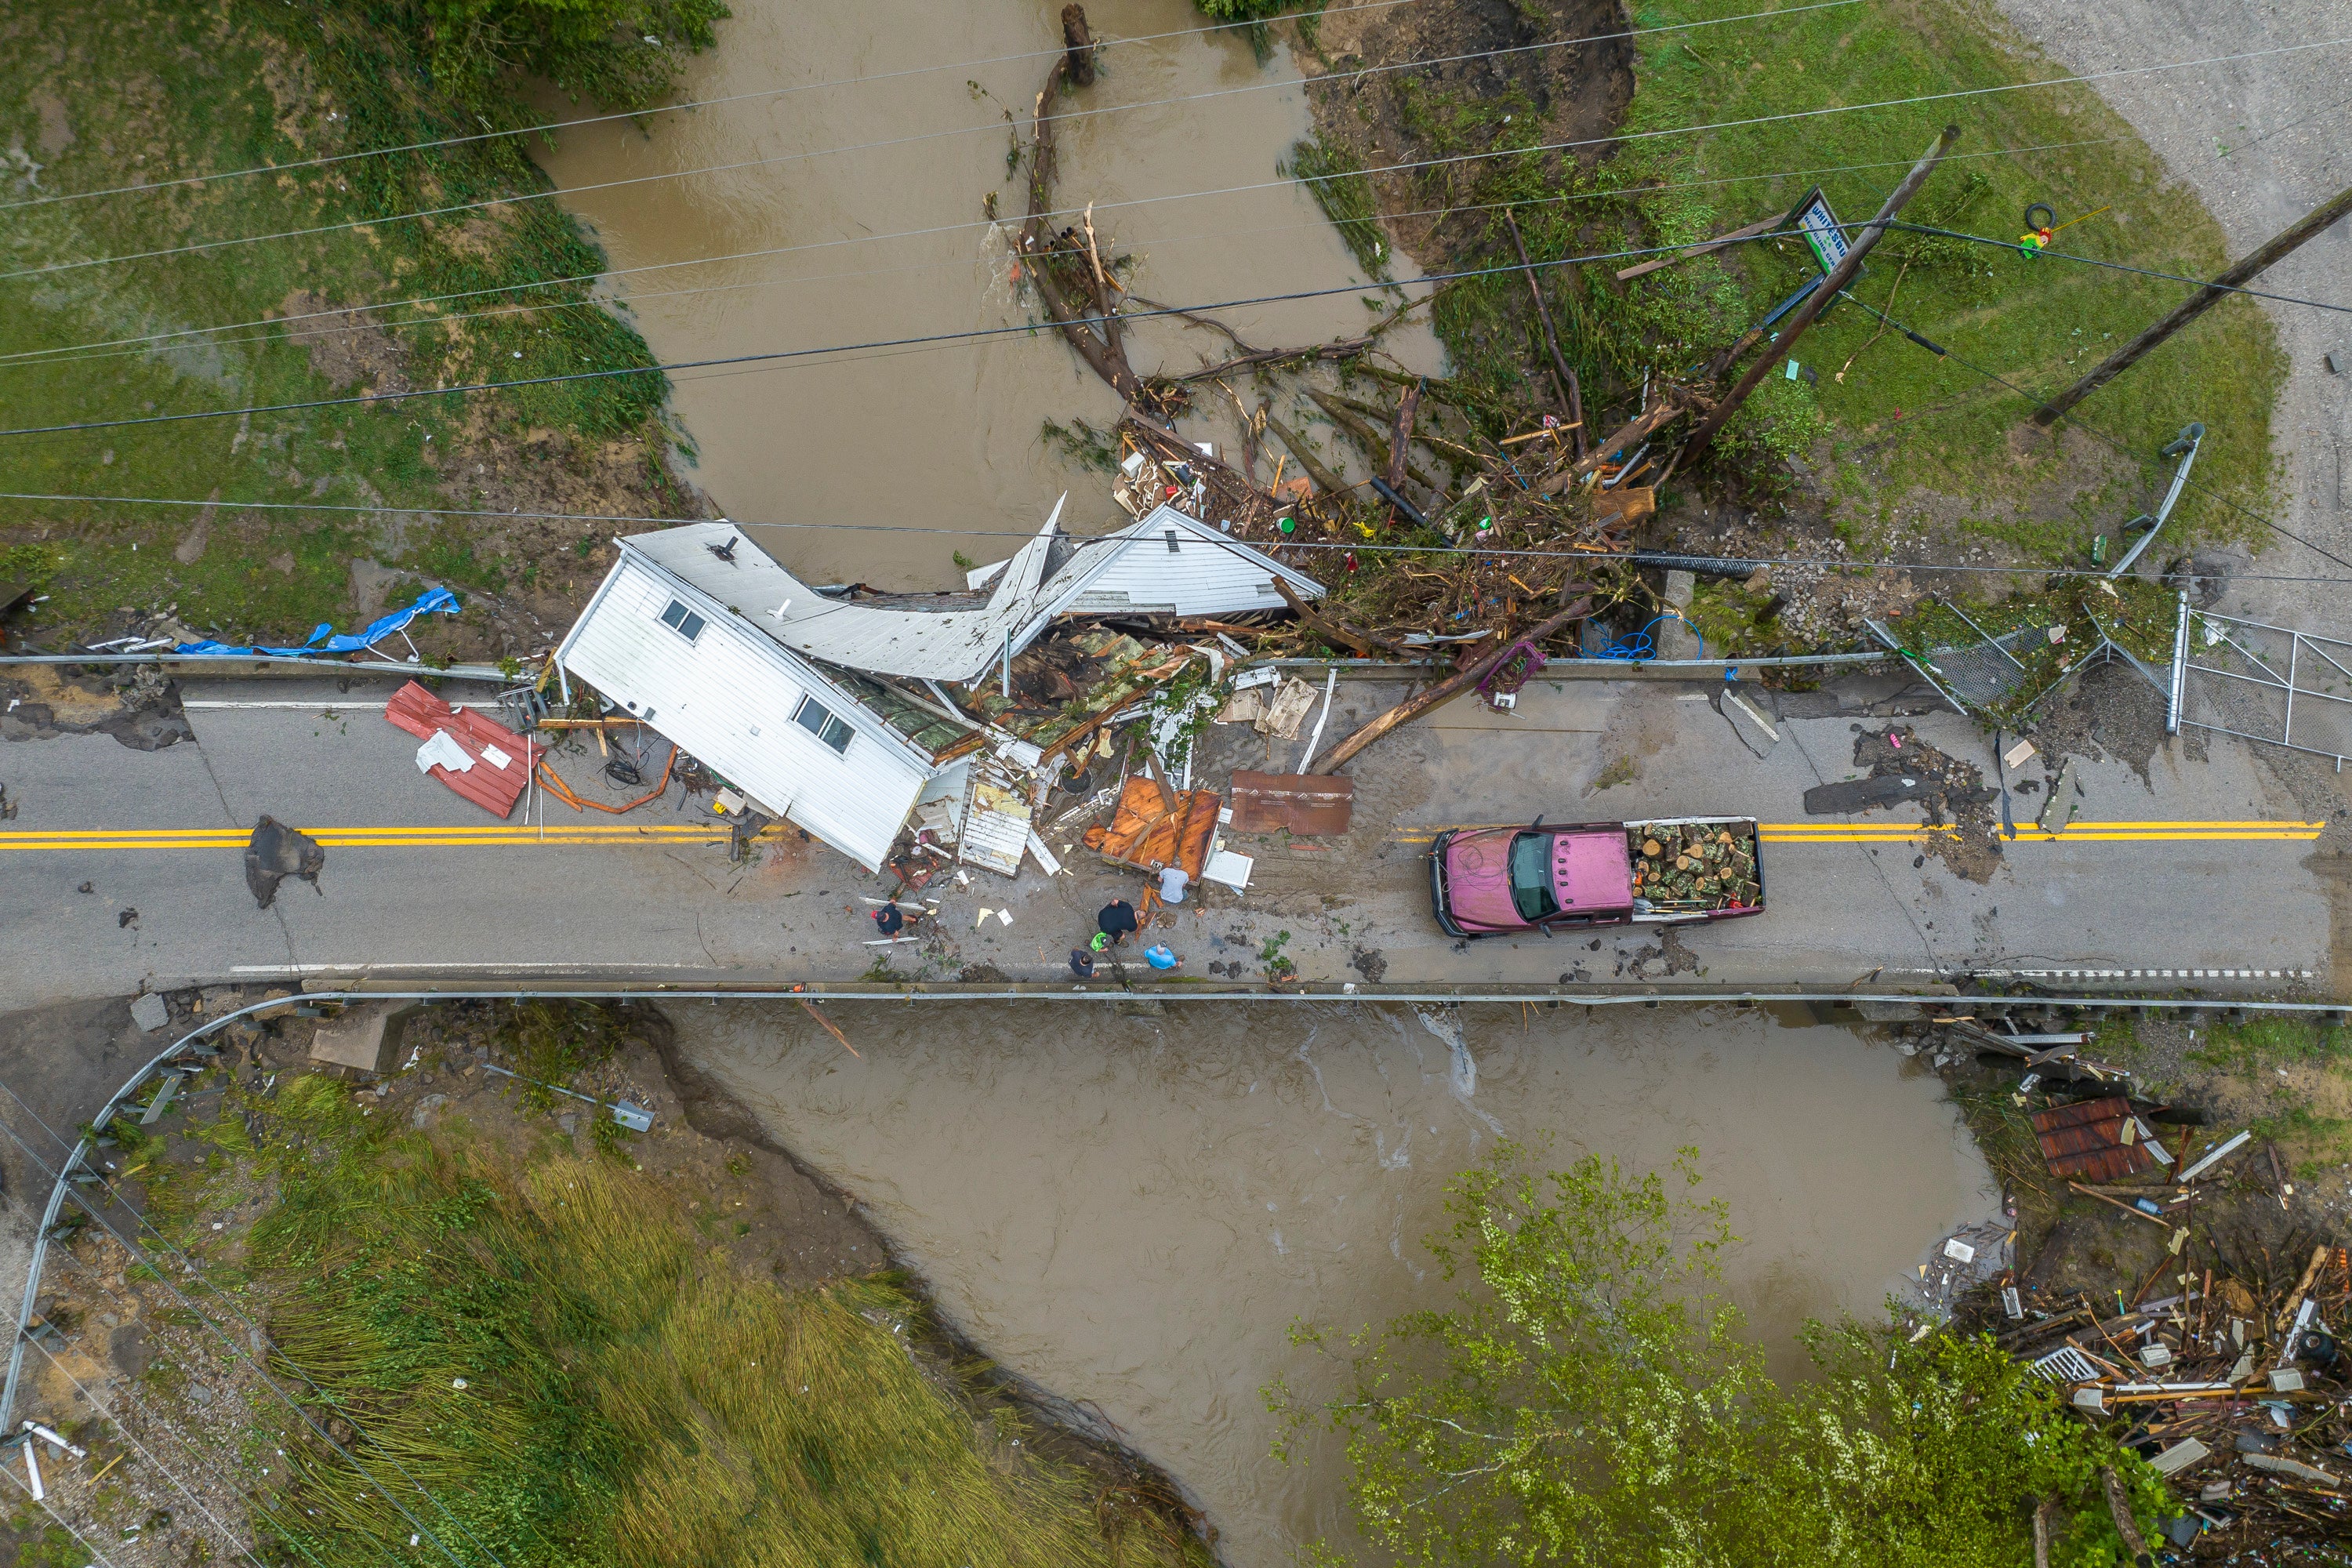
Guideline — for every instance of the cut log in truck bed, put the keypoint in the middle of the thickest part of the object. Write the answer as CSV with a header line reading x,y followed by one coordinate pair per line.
x,y
1694,868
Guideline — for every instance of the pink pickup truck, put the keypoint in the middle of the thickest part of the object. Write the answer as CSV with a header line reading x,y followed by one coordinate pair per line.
x,y
1495,882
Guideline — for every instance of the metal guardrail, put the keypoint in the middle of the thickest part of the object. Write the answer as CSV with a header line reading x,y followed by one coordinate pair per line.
x,y
265,664
1943,997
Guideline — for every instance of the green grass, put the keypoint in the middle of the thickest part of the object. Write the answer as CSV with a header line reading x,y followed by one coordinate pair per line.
x,y
632,1394
1922,421
2038,323
143,91
2264,1043
1334,177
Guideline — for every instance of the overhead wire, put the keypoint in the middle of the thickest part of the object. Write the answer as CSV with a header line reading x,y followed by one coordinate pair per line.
x,y
968,334
70,352
1063,117
239,1351
2116,266
170,1475
52,269
2075,419
642,114
1841,562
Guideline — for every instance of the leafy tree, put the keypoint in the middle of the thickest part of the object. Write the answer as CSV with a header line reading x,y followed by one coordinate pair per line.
x,y
1588,1399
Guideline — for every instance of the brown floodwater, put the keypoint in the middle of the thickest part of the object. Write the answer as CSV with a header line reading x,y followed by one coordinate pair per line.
x,y
1133,1211
944,436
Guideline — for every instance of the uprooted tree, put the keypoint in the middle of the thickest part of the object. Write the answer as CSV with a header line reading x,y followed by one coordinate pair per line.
x,y
1588,1398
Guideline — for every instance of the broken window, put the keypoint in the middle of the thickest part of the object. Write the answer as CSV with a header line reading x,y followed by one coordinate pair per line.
x,y
683,621
819,720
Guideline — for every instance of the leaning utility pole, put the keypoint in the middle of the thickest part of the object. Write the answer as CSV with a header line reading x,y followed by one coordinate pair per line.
x,y
1820,298
2196,305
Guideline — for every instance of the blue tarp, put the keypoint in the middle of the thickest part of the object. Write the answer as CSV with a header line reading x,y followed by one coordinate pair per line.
x,y
433,601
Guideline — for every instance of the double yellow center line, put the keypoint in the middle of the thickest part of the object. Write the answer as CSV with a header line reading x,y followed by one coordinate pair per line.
x,y
1915,832
597,833
618,834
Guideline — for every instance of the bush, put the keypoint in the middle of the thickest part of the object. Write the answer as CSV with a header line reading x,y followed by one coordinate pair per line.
x,y
623,53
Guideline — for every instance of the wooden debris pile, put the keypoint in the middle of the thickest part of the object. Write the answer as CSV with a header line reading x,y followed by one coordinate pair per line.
x,y
2235,1386
1698,867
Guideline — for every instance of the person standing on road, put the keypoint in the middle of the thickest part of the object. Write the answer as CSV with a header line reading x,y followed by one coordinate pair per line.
x,y
1082,964
1160,955
890,920
1115,921
1172,882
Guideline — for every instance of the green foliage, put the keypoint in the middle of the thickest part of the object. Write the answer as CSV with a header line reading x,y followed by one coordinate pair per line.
x,y
555,1041
1082,444
623,53
1244,10
1334,177
1588,1399
2268,1042
580,1379
251,84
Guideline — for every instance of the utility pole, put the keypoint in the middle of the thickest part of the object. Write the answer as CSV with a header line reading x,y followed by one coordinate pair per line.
x,y
1819,299
2196,305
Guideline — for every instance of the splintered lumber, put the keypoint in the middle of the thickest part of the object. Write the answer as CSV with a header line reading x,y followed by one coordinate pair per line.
x,y
1445,690
829,1028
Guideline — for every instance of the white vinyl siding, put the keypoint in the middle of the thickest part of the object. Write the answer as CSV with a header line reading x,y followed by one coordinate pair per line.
x,y
729,698
1206,574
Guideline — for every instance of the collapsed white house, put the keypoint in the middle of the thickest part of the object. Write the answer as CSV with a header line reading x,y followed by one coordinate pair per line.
x,y
769,683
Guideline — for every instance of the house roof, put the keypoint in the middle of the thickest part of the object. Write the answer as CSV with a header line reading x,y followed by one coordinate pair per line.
x,y
1093,558
958,645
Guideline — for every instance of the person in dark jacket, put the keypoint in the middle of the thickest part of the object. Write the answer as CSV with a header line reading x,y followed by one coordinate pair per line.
x,y
1117,919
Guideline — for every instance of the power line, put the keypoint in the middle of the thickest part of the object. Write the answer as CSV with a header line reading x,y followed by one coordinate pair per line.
x,y
811,86
2115,265
68,354
236,1349
207,246
778,355
2094,430
553,125
1838,561
99,1404
210,245
96,1555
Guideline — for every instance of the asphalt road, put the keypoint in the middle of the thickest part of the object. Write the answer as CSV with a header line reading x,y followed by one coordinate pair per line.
x,y
2204,873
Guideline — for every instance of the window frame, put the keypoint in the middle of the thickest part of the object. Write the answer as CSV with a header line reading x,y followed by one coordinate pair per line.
x,y
830,721
685,613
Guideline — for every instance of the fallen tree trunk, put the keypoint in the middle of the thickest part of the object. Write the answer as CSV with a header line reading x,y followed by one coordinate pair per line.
x,y
1106,354
1371,439
1325,479
1447,690
1334,631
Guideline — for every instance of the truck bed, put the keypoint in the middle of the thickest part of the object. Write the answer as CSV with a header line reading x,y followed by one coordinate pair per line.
x,y
1691,868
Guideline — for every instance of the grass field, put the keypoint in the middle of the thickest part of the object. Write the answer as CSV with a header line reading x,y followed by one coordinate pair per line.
x,y
1901,421
574,1371
107,95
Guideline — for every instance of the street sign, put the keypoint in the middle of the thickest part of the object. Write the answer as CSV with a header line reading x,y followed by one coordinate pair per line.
x,y
1819,225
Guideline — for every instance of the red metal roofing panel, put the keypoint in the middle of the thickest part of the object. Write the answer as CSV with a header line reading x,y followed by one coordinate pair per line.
x,y
2087,1140
487,783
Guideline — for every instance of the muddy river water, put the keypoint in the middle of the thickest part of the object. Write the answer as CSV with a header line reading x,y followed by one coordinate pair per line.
x,y
1133,1211
833,246
1129,1210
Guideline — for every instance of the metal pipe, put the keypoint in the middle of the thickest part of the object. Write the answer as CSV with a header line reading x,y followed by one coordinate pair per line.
x,y
2194,435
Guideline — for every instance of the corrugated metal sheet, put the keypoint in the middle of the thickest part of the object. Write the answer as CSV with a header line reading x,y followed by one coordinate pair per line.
x,y
728,698
954,645
2086,1141
493,785
1309,804
1142,570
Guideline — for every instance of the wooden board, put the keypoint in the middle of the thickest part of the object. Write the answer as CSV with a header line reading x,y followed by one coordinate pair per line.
x,y
1310,806
1144,833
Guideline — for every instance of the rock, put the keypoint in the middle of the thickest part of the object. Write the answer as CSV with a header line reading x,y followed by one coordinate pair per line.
x,y
149,1012
362,1038
569,1121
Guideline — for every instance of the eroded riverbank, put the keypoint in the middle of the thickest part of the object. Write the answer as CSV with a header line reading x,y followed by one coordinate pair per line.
x,y
1131,1211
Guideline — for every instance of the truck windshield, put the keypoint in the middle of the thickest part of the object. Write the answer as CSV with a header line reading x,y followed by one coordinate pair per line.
x,y
1531,876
